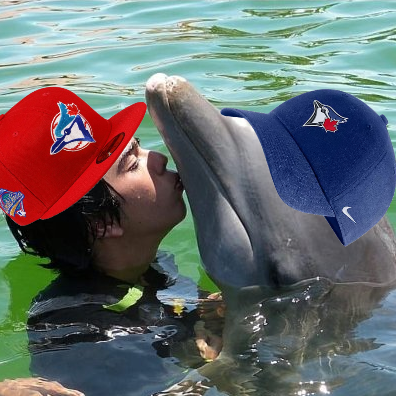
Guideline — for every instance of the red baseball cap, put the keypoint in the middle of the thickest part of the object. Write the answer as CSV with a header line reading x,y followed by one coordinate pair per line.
x,y
54,148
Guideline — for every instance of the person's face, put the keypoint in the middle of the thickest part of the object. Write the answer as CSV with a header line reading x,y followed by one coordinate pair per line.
x,y
153,197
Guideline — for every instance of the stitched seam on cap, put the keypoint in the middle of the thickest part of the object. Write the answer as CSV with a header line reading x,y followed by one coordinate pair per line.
x,y
34,195
317,180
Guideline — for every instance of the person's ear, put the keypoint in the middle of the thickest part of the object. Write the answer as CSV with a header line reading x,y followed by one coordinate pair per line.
x,y
112,230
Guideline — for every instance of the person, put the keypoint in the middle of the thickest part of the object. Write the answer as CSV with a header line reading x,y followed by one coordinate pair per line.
x,y
113,321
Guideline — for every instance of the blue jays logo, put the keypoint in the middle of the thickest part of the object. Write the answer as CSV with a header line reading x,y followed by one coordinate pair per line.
x,y
12,202
70,130
325,116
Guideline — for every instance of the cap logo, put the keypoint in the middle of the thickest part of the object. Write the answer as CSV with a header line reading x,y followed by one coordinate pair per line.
x,y
345,211
326,117
12,202
70,130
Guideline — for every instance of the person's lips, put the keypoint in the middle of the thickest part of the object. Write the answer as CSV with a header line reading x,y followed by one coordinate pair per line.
x,y
178,183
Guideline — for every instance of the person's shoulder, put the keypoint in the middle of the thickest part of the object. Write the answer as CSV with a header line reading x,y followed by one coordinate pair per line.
x,y
72,292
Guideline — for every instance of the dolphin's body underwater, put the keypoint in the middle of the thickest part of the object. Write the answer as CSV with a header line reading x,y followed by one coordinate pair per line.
x,y
246,234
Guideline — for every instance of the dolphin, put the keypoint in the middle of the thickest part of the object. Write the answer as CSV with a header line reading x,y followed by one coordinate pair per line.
x,y
293,291
246,234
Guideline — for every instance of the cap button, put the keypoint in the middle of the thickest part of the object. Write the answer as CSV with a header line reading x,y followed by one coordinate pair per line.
x,y
384,119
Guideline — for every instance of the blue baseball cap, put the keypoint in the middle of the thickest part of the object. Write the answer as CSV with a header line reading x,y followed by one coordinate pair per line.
x,y
329,154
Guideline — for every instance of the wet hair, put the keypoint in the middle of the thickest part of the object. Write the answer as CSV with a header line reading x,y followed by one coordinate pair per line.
x,y
67,238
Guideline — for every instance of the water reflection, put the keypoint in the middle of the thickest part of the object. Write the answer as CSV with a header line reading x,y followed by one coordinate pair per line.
x,y
308,339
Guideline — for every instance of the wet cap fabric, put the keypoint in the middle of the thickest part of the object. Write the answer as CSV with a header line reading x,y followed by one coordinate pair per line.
x,y
329,154
54,148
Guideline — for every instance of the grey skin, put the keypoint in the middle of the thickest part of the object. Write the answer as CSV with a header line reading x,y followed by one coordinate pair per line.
x,y
246,234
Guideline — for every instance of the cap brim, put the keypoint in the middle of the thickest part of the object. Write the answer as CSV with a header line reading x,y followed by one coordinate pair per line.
x,y
126,121
363,205
291,173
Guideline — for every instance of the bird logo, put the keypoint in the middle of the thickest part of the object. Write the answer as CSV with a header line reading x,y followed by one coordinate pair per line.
x,y
326,117
70,130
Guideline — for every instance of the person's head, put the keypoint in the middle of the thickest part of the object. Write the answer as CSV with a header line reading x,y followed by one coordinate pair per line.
x,y
136,203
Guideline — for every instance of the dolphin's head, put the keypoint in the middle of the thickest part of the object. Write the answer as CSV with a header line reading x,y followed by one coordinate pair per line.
x,y
246,234
224,172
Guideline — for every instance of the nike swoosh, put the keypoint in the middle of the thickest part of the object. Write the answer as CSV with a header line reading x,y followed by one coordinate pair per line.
x,y
345,211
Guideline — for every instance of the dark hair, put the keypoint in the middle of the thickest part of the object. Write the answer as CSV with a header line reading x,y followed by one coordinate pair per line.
x,y
67,238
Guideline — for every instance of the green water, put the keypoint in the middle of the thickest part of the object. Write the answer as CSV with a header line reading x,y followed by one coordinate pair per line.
x,y
251,54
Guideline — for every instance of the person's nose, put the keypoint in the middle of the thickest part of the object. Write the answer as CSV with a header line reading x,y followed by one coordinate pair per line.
x,y
157,161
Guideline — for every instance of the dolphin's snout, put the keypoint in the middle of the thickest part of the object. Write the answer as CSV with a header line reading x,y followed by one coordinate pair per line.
x,y
159,80
154,81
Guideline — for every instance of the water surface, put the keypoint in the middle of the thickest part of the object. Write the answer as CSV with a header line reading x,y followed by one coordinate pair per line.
x,y
244,54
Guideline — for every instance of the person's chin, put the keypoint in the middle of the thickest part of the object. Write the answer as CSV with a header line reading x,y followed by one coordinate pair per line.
x,y
177,210
176,218
180,212
184,210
